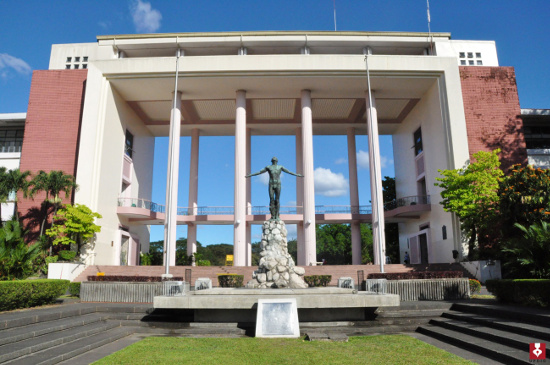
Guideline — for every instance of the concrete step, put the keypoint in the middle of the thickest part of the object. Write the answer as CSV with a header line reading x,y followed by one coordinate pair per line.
x,y
504,337
523,314
526,329
21,348
74,348
24,317
16,334
490,349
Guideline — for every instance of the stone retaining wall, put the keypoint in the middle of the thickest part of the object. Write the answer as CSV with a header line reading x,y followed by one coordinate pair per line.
x,y
120,292
430,289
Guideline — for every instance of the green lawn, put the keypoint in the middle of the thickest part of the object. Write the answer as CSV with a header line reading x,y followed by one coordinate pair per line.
x,y
397,349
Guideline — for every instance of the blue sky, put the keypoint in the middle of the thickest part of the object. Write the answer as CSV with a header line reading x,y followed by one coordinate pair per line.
x,y
29,28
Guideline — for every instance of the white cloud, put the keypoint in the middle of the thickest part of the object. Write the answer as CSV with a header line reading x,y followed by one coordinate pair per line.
x,y
341,161
291,232
18,65
104,24
363,160
328,183
264,178
146,19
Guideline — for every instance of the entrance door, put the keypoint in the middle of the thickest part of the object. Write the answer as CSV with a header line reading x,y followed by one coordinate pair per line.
x,y
124,249
418,246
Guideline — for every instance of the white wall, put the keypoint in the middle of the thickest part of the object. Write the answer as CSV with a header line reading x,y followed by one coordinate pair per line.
x,y
453,48
11,162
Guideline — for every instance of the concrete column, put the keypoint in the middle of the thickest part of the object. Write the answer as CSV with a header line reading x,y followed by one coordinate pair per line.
x,y
193,191
239,241
379,239
354,198
300,255
170,222
310,245
248,197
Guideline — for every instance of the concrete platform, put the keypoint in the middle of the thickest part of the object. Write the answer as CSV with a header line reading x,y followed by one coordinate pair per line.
x,y
240,304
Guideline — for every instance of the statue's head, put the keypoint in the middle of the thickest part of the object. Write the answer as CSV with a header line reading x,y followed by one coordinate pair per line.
x,y
274,160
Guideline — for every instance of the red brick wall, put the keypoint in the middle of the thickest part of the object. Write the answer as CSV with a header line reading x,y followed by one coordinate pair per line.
x,y
491,105
53,125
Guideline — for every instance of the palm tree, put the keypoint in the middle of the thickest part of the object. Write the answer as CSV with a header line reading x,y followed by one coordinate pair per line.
x,y
4,191
13,181
53,183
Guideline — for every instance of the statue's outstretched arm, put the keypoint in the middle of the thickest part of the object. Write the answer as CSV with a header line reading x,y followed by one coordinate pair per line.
x,y
290,172
257,173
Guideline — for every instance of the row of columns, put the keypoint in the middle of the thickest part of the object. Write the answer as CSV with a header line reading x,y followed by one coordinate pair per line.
x,y
305,192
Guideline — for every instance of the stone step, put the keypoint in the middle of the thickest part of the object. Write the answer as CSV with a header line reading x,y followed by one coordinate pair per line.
x,y
68,350
42,328
526,329
21,348
493,350
24,317
524,314
505,337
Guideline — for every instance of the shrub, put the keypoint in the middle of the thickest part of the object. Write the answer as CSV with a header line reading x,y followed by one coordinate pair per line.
x,y
66,255
230,280
16,257
74,289
30,293
146,259
416,275
533,292
203,263
475,286
139,279
317,280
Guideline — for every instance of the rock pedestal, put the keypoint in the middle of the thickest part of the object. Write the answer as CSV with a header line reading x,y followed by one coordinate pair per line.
x,y
276,269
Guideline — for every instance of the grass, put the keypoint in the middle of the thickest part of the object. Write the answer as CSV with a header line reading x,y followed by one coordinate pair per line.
x,y
483,296
396,349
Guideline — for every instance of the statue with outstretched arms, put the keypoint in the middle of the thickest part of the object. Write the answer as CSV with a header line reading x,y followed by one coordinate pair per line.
x,y
274,171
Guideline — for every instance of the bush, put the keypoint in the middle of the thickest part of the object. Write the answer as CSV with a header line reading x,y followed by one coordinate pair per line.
x,y
146,259
532,292
139,279
74,289
30,293
475,286
203,263
317,280
66,255
230,280
416,275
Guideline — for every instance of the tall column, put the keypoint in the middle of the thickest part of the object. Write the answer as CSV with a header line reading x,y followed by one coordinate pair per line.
x,y
193,191
354,198
170,222
300,255
379,239
248,197
239,241
310,246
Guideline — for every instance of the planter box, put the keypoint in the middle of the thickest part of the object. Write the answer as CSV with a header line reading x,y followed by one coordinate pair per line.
x,y
126,292
429,289
65,270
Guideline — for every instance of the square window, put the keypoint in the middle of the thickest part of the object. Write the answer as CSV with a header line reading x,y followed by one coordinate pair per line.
x,y
76,67
77,59
463,62
462,55
479,62
478,54
86,66
470,55
69,59
471,63
85,58
67,67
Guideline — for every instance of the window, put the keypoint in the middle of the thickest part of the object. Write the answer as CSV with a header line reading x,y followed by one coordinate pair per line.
x,y
129,145
67,67
85,58
478,54
86,66
479,62
470,55
462,55
11,140
471,62
77,59
537,137
463,62
69,59
76,67
417,142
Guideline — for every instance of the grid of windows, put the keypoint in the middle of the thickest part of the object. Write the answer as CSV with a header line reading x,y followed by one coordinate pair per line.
x,y
11,140
470,58
537,137
75,63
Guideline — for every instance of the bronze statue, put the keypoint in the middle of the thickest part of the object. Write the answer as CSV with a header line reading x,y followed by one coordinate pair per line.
x,y
274,171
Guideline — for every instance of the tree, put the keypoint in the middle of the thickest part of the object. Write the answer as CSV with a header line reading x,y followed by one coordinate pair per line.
x,y
74,225
366,243
472,194
529,256
16,257
391,230
13,181
334,243
52,183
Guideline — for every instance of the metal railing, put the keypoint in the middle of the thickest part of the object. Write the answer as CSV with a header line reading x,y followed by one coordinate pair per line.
x,y
262,210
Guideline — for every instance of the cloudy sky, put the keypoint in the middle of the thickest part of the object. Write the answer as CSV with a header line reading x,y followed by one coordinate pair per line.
x,y
29,28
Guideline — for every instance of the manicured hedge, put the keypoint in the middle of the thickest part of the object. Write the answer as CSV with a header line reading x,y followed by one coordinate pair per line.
x,y
30,293
230,280
535,292
317,280
74,289
416,275
139,279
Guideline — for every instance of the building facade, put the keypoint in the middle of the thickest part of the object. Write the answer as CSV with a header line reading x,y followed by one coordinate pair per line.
x,y
102,104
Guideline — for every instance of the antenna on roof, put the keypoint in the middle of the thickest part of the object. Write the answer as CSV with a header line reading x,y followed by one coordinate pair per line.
x,y
334,6
429,30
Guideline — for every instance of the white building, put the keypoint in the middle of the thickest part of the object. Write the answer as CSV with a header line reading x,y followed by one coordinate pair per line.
x,y
12,126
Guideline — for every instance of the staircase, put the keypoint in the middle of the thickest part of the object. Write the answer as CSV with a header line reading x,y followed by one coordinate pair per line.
x,y
500,333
